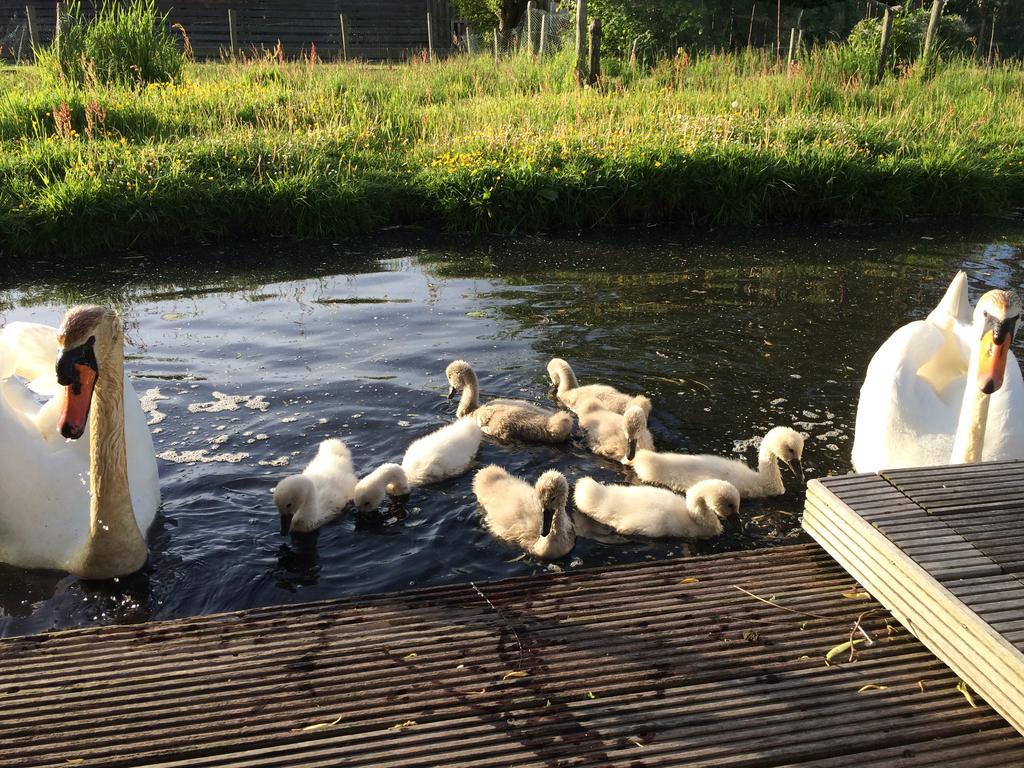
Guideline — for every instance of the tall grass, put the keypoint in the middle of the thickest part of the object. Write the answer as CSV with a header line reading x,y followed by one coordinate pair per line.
x,y
123,44
315,149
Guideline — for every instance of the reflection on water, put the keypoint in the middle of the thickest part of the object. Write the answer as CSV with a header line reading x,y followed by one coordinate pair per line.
x,y
249,357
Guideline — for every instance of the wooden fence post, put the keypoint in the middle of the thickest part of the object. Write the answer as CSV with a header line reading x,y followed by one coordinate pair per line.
x,y
792,42
344,37
750,31
929,36
232,32
543,34
529,27
469,40
883,54
33,27
430,37
595,52
495,45
581,40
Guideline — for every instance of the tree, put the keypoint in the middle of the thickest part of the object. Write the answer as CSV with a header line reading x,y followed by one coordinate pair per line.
x,y
508,13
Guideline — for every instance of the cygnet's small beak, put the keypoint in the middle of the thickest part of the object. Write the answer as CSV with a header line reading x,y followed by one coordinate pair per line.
x,y
286,524
549,516
451,392
796,468
630,450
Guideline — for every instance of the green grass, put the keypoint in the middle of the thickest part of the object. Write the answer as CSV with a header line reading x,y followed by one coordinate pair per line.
x,y
330,149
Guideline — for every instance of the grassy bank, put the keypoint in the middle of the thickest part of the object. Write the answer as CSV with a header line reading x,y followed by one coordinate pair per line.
x,y
340,149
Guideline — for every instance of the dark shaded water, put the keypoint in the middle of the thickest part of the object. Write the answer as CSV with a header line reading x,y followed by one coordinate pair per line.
x,y
728,337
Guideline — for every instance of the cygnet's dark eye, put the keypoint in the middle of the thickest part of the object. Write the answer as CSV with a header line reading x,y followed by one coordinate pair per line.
x,y
984,313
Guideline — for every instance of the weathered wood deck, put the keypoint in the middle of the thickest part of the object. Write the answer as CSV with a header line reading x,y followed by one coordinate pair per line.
x,y
943,549
647,665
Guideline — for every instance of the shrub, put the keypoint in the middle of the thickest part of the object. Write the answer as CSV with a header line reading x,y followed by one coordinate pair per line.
x,y
907,41
126,45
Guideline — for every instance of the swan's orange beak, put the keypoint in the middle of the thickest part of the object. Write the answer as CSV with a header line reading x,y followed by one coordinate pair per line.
x,y
995,347
77,372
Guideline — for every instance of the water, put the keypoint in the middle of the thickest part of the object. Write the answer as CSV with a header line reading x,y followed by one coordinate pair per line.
x,y
263,350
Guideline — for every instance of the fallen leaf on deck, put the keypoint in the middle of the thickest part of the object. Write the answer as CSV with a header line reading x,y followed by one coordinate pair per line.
x,y
318,726
872,687
690,580
751,635
590,695
511,675
842,647
962,687
410,655
856,595
920,684
401,726
75,760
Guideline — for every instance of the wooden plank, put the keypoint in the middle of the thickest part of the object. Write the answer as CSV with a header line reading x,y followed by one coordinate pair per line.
x,y
620,665
913,591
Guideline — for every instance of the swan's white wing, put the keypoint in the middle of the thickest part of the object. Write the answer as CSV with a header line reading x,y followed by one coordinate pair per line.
x,y
448,452
34,347
955,306
143,477
44,515
905,418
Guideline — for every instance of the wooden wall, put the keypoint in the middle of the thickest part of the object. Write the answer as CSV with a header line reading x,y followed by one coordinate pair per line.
x,y
375,29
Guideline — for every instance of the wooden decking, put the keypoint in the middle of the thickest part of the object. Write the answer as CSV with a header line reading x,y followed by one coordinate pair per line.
x,y
665,664
943,549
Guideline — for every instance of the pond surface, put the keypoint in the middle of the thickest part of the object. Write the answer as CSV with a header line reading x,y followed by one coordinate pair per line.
x,y
729,338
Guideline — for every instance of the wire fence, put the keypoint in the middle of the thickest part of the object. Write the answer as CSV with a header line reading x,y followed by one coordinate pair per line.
x,y
14,41
539,33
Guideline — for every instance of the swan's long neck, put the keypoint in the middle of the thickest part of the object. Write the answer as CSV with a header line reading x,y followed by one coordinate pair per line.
x,y
470,399
115,546
703,515
566,379
768,471
310,513
560,538
969,441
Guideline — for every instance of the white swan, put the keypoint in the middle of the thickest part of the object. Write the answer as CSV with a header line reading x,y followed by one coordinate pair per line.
x,y
636,510
532,517
445,453
680,471
319,494
613,435
81,506
572,395
945,389
505,419
370,490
